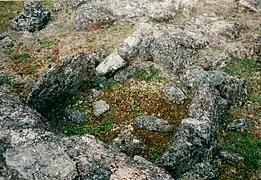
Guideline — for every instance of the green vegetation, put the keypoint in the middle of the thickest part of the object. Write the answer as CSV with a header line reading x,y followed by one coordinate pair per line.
x,y
247,146
47,4
8,10
156,152
47,42
242,67
99,130
112,84
4,80
147,74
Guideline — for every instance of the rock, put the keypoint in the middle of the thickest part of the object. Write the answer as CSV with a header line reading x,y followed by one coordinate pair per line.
x,y
232,158
111,64
28,150
203,171
76,3
128,144
34,17
253,5
195,140
124,74
2,35
100,107
161,15
101,81
7,42
57,87
231,88
74,115
239,125
152,123
91,17
207,103
224,28
174,93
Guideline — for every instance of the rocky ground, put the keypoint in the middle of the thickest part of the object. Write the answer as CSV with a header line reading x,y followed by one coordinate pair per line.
x,y
126,89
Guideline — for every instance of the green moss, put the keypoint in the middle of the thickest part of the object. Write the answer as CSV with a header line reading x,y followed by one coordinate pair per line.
x,y
247,146
47,42
24,56
8,11
242,67
156,152
147,74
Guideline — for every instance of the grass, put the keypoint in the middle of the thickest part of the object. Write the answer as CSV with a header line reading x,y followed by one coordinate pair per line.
x,y
247,146
8,11
147,74
47,42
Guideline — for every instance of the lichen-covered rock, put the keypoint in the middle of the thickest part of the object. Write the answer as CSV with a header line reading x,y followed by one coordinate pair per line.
x,y
91,17
124,74
239,125
34,17
152,123
161,15
74,115
111,64
2,34
230,157
195,140
73,74
100,107
203,171
233,89
128,144
6,42
29,151
253,5
174,93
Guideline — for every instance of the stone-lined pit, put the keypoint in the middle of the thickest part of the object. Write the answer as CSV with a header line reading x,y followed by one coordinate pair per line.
x,y
132,99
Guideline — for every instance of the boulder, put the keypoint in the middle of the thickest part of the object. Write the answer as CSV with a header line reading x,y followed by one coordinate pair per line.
x,y
34,17
100,107
76,3
239,125
91,17
161,15
111,64
195,140
233,89
74,115
152,123
174,93
230,157
57,87
28,150
124,74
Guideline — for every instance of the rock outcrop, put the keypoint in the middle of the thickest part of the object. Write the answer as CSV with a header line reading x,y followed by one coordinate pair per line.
x,y
34,17
58,86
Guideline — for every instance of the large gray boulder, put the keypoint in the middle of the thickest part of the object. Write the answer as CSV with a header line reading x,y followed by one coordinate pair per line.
x,y
195,140
60,84
34,17
253,5
29,151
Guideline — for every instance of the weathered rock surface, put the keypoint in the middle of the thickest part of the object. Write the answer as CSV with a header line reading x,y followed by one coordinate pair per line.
x,y
6,42
230,157
124,74
28,151
74,115
152,123
253,5
60,84
174,93
34,17
100,107
77,3
89,17
231,88
111,64
239,125
195,140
